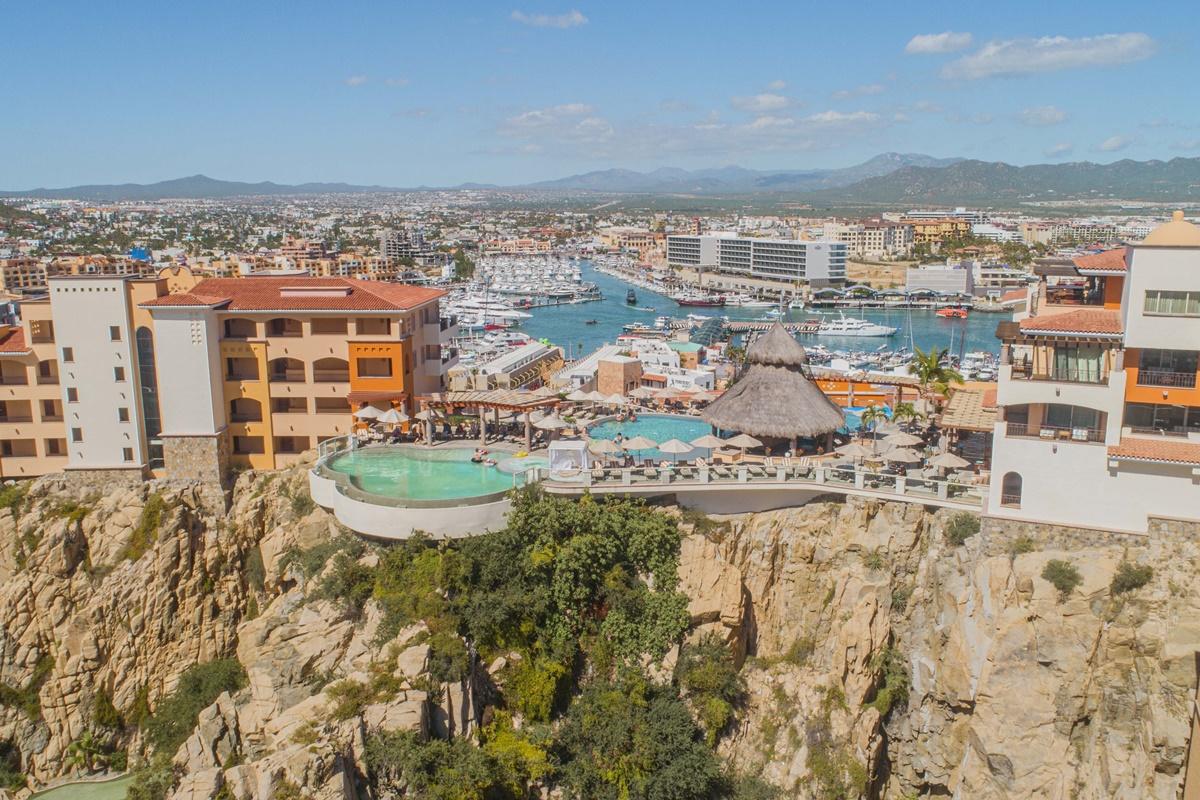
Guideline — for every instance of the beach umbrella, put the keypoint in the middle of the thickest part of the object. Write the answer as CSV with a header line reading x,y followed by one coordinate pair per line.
x,y
854,450
743,440
674,447
392,416
642,393
578,396
949,461
551,422
603,446
597,397
615,399
902,439
708,441
665,393
902,455
426,416
367,412
639,443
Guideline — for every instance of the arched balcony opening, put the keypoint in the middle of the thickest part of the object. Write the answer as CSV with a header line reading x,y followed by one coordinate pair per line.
x,y
331,370
285,370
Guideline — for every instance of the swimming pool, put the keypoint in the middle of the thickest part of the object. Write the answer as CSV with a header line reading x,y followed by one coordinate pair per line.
x,y
410,473
660,428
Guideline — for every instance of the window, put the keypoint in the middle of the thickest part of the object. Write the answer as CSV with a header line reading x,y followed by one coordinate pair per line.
x,y
122,415
1171,420
51,410
1167,368
56,447
324,325
247,445
119,374
114,333
289,405
373,326
76,434
332,405
1010,490
127,454
68,354
72,394
1172,303
374,367
1080,363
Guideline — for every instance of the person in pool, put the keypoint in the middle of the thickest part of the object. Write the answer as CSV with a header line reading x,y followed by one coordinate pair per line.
x,y
479,455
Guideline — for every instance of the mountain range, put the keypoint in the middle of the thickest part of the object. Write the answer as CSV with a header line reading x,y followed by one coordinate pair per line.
x,y
886,179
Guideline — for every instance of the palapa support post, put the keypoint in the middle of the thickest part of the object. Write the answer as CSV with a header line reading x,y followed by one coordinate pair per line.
x,y
528,432
482,425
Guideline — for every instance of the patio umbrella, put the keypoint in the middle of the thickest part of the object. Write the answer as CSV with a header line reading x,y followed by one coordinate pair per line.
x,y
603,446
949,461
743,440
854,450
708,441
642,393
674,447
551,422
367,412
595,396
902,455
639,443
392,417
426,416
578,396
902,439
665,393
615,399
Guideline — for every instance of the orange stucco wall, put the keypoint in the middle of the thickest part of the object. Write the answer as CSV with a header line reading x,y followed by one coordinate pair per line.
x,y
1113,286
1155,394
401,378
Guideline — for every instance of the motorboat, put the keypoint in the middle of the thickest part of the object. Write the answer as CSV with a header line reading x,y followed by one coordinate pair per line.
x,y
700,300
631,298
852,326
952,313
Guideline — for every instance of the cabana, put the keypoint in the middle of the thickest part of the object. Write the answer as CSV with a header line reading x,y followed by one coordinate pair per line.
x,y
774,396
517,402
568,458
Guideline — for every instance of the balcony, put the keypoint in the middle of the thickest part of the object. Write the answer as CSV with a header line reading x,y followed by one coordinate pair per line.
x,y
9,419
1173,380
1055,433
287,376
1024,370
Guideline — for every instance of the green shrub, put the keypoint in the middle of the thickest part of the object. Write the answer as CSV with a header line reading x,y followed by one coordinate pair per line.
x,y
1130,576
900,597
11,776
153,780
1063,576
254,572
145,533
800,651
349,583
874,560
70,510
199,686
962,526
894,689
27,698
349,698
302,503
104,713
1021,545
706,672
13,497
314,559
534,687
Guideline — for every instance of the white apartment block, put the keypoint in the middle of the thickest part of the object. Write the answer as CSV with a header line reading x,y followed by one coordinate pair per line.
x,y
817,263
873,239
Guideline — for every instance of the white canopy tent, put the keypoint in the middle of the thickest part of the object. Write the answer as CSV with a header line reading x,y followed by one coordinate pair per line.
x,y
568,457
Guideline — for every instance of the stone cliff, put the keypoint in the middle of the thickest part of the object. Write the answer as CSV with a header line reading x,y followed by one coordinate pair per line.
x,y
880,657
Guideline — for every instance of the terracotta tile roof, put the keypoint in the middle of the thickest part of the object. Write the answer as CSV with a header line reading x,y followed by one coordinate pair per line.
x,y
969,410
1115,260
1085,321
300,294
1014,294
12,341
1174,451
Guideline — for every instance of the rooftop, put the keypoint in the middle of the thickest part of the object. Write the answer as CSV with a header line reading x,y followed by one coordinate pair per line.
x,y
299,294
1171,451
1176,233
1101,322
12,341
1114,261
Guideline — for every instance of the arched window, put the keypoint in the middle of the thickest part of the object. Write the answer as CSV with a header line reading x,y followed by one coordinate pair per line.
x,y
245,409
285,370
336,370
1010,490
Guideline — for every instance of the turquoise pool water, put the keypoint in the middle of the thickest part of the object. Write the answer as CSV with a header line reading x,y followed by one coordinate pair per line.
x,y
512,466
415,474
660,428
99,790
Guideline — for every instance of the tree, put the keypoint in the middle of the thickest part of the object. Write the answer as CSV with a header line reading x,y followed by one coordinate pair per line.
x,y
906,412
86,752
870,418
935,377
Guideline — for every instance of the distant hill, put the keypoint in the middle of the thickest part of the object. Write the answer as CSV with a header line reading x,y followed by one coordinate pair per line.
x,y
199,187
734,179
994,183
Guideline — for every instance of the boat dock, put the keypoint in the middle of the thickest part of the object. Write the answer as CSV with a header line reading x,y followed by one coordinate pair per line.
x,y
748,326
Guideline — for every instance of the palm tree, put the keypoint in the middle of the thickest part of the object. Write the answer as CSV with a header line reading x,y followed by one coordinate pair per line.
x,y
932,373
870,418
906,412
87,752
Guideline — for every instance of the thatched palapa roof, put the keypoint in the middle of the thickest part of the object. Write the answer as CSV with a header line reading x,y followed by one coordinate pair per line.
x,y
774,397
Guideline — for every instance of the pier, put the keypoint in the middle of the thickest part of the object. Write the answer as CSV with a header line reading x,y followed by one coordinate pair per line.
x,y
751,326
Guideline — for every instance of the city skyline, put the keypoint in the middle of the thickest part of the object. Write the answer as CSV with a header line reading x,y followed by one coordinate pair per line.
x,y
512,94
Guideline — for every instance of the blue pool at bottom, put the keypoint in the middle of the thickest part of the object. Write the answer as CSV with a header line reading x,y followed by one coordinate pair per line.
x,y
660,428
418,474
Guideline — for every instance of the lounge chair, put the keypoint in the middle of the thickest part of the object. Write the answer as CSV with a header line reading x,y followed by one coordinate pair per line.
x,y
756,470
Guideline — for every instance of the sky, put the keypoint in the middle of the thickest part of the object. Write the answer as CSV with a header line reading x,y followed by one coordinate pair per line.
x,y
437,93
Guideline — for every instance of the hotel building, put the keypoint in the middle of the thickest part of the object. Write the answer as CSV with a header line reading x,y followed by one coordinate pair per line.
x,y
256,371
791,261
1099,420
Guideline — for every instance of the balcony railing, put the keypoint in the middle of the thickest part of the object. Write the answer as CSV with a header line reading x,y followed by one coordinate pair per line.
x,y
331,375
1161,430
241,376
14,380
291,376
1055,432
1010,500
1177,380
11,418
245,418
1023,370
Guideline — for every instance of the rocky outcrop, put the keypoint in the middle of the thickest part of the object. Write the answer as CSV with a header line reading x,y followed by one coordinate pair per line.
x,y
1012,691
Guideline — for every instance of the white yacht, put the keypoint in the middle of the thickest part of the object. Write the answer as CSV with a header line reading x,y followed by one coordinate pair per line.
x,y
851,326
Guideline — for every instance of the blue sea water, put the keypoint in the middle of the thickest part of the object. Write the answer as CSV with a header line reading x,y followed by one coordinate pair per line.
x,y
566,325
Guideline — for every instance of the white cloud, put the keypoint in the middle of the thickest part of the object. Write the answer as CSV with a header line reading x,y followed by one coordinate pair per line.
x,y
356,80
1041,116
1060,149
860,91
397,81
1049,54
1187,144
777,85
1114,143
571,19
569,122
761,102
946,42
841,118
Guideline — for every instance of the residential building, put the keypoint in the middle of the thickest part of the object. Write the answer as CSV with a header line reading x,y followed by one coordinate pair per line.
x,y
519,246
630,240
1098,382
789,261
943,279
935,230
872,238
22,274
526,366
32,434
256,371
